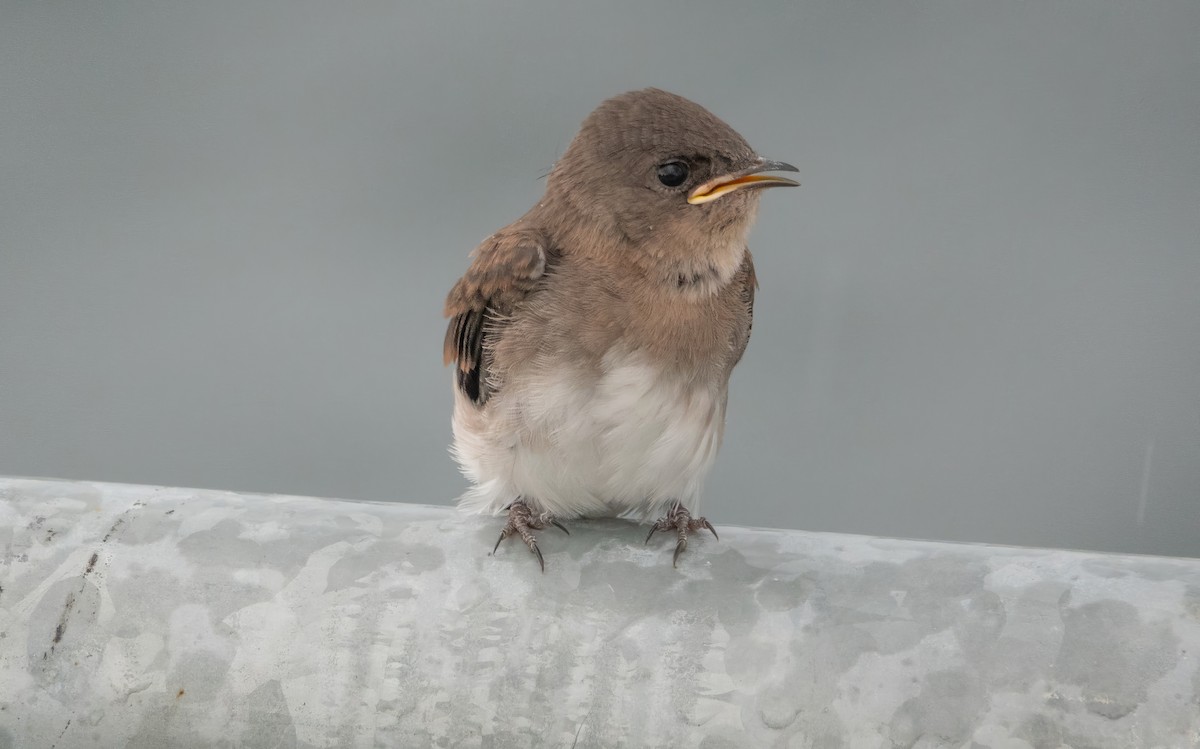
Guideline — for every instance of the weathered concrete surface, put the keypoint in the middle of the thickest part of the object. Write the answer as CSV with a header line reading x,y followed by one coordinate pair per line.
x,y
149,617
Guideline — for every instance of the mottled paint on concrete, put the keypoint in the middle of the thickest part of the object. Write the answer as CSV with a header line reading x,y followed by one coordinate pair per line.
x,y
149,617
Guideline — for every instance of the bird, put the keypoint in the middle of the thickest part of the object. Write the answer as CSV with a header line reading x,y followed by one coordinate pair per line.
x,y
593,338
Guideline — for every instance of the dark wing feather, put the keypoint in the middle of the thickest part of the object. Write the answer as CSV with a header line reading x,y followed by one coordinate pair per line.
x,y
505,268
748,283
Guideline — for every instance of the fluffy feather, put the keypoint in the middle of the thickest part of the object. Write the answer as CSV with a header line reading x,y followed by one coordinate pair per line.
x,y
626,442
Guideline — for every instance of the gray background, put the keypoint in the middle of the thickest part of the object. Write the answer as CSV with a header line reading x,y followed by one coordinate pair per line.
x,y
226,230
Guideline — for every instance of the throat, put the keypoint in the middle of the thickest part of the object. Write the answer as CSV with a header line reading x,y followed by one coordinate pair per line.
x,y
704,276
691,279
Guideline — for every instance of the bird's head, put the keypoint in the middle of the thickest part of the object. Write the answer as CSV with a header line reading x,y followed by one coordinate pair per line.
x,y
664,174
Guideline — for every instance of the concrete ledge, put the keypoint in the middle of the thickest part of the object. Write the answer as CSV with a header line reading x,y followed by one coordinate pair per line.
x,y
151,617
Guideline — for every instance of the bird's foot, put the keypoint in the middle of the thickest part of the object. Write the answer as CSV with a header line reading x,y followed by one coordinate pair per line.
x,y
681,521
522,521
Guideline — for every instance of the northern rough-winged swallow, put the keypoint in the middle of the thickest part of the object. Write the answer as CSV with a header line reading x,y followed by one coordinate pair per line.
x,y
593,338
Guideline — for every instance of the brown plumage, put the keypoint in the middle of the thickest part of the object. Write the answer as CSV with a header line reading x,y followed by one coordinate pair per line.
x,y
610,314
506,267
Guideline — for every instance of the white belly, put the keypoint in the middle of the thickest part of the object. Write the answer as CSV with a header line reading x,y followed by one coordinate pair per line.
x,y
629,441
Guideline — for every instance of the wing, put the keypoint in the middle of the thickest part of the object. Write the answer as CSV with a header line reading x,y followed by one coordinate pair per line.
x,y
747,283
505,269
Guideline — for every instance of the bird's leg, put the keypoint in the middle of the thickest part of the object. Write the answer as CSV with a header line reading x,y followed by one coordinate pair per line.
x,y
523,522
681,521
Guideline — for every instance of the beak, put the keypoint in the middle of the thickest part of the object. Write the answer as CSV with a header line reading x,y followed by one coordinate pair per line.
x,y
750,177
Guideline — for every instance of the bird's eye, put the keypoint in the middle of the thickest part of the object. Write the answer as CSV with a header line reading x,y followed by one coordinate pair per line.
x,y
673,173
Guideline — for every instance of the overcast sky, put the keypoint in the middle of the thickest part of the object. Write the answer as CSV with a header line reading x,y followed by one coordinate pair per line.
x,y
226,230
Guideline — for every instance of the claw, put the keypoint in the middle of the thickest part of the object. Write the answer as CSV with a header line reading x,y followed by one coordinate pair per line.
x,y
679,547
522,522
679,520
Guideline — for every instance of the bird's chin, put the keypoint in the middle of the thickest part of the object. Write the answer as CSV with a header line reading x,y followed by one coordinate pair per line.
x,y
733,212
